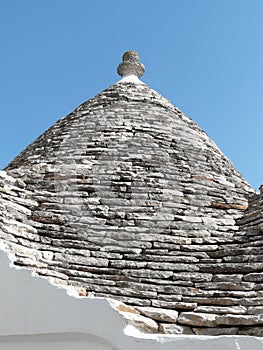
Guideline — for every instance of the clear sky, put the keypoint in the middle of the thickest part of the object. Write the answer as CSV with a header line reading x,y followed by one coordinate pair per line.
x,y
205,56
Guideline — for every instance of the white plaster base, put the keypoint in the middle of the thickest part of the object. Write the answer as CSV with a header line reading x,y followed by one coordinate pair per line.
x,y
38,315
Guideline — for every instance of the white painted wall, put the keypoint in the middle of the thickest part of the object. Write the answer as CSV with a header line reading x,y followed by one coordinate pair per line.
x,y
36,315
51,345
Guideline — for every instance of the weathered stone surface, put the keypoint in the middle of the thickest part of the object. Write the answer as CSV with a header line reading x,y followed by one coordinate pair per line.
x,y
163,315
219,205
144,323
258,301
192,276
236,278
238,310
240,320
125,308
246,286
254,277
215,331
171,328
253,310
253,331
198,319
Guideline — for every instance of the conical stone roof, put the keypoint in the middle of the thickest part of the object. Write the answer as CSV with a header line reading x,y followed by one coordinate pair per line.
x,y
128,198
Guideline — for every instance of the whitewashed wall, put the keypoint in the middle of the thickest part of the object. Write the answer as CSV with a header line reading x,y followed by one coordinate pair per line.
x,y
51,345
37,315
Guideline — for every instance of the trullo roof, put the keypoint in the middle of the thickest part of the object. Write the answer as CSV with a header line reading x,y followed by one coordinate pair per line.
x,y
127,198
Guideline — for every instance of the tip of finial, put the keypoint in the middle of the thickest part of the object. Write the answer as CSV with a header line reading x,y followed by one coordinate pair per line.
x,y
131,65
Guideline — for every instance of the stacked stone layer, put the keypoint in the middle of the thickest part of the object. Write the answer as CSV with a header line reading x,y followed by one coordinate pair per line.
x,y
129,199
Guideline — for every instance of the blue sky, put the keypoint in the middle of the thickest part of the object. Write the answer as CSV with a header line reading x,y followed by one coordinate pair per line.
x,y
205,56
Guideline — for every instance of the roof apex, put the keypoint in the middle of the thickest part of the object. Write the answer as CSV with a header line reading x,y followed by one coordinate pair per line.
x,y
131,65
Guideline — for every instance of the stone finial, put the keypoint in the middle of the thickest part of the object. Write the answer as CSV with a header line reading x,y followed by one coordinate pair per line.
x,y
131,65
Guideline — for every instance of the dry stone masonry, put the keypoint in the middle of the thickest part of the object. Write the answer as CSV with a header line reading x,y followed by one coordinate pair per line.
x,y
127,198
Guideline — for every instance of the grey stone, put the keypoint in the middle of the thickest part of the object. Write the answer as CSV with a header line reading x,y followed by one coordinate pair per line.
x,y
156,314
176,304
144,323
253,310
238,310
198,319
252,331
236,278
246,286
171,328
215,331
254,277
242,320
